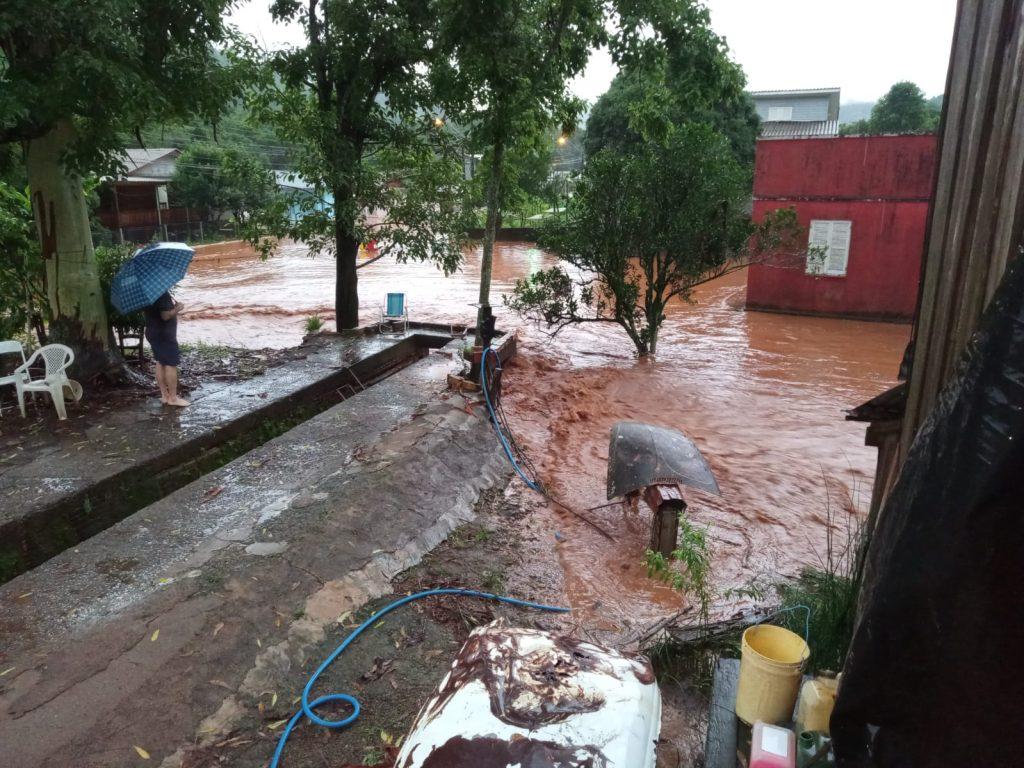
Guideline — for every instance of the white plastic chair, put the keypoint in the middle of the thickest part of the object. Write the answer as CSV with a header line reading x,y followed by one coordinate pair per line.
x,y
11,348
56,358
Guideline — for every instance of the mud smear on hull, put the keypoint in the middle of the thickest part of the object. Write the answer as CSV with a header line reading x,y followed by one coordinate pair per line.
x,y
460,752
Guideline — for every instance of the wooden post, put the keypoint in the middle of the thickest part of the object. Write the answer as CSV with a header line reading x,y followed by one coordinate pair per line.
x,y
666,501
117,214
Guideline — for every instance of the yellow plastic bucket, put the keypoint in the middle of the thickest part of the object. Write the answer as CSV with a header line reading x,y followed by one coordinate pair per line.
x,y
771,666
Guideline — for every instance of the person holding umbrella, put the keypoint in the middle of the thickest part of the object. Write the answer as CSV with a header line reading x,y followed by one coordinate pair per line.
x,y
144,282
162,335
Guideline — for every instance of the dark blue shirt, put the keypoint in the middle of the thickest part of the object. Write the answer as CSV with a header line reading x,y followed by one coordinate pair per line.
x,y
155,324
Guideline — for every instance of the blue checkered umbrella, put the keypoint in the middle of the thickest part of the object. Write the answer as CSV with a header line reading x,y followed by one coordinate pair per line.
x,y
150,273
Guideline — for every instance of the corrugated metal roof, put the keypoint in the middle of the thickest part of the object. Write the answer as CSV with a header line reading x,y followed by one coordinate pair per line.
x,y
137,158
799,129
795,92
292,180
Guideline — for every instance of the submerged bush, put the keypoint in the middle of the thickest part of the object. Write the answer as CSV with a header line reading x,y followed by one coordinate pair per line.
x,y
693,553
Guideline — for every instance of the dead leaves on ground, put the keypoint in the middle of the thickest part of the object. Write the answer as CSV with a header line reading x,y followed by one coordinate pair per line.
x,y
212,493
380,668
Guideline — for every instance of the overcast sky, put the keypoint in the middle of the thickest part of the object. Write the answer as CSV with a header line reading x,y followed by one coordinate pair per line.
x,y
862,46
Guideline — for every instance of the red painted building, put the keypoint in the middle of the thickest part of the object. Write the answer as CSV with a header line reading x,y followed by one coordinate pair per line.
x,y
864,203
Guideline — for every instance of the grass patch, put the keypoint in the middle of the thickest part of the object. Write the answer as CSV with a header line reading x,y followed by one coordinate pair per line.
x,y
314,323
206,351
830,590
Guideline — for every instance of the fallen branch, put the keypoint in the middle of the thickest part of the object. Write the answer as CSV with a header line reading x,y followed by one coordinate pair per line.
x,y
691,634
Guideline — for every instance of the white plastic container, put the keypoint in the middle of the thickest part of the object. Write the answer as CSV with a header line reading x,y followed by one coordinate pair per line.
x,y
814,707
517,697
772,747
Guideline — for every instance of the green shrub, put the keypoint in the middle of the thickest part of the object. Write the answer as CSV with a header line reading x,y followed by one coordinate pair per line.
x,y
830,590
314,323
22,297
693,553
109,259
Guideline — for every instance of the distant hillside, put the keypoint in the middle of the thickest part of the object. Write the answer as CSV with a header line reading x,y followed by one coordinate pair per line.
x,y
852,111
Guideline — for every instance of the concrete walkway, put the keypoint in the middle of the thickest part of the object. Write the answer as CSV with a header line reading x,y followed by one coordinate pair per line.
x,y
62,486
166,629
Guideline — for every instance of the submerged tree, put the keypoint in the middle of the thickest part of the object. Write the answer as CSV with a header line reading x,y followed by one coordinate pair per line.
x,y
646,228
74,78
356,103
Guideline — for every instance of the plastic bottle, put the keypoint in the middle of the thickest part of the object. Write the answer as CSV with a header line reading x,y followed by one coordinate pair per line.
x,y
772,747
808,744
815,704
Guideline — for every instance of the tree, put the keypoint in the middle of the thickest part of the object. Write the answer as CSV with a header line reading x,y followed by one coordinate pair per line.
x,y
903,109
647,227
74,78
234,129
224,181
22,294
356,102
510,65
525,174
612,122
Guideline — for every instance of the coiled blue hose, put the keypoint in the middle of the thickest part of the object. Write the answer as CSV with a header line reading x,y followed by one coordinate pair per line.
x,y
309,707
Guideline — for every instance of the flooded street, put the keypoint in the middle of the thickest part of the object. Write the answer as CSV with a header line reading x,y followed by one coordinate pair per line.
x,y
761,394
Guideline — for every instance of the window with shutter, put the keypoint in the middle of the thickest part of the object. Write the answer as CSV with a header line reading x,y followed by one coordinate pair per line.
x,y
780,114
828,250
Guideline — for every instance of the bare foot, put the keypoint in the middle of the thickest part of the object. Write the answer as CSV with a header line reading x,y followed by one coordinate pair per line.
x,y
178,402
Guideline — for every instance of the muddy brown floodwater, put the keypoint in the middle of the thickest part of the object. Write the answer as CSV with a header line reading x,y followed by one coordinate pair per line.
x,y
761,394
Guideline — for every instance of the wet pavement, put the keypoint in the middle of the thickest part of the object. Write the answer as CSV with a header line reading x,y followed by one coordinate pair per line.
x,y
51,478
170,628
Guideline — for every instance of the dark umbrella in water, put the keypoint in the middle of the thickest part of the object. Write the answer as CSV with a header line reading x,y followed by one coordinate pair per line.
x,y
149,274
640,455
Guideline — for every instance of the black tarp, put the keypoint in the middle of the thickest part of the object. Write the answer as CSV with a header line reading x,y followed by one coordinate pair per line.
x,y
644,454
935,674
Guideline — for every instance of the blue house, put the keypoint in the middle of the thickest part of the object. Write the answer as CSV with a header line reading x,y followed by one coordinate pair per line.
x,y
810,112
298,191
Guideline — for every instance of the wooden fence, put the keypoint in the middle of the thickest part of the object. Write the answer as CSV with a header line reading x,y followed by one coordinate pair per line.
x,y
977,218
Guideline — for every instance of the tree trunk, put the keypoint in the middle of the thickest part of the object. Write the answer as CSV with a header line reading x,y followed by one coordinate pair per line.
x,y
346,293
638,342
654,312
490,232
72,282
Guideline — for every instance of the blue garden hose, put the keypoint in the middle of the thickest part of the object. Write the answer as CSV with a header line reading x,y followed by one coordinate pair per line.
x,y
309,707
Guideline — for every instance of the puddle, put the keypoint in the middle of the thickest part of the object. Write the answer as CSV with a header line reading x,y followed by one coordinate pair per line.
x,y
193,446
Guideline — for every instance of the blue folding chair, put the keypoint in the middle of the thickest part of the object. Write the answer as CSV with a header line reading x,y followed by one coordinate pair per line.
x,y
393,312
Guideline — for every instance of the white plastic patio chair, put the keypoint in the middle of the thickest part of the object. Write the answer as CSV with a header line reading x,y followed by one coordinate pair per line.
x,y
56,359
11,348
394,311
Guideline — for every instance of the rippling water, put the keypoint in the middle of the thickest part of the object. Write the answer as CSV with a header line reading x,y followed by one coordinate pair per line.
x,y
761,394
